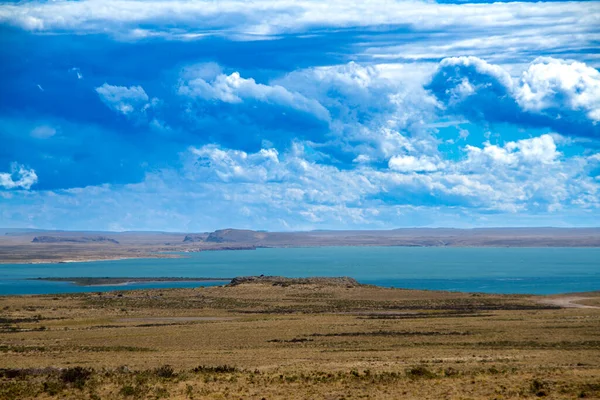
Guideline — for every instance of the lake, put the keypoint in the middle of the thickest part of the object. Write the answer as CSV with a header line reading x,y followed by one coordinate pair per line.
x,y
490,270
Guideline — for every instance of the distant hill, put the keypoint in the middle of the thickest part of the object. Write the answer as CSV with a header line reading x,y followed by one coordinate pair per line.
x,y
17,246
236,236
73,239
479,237
195,238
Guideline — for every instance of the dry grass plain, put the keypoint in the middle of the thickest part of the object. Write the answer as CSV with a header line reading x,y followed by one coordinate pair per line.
x,y
297,341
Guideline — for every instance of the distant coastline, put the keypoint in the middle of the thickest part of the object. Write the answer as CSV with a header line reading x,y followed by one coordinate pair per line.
x,y
41,247
113,281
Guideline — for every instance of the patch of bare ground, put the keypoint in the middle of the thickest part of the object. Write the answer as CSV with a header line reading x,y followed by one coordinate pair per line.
x,y
298,340
569,302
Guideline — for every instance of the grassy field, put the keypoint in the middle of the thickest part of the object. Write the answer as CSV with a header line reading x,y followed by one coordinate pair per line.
x,y
275,340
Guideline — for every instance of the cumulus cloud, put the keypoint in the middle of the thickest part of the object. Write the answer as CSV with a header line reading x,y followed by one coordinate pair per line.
x,y
412,164
377,111
235,89
289,130
236,165
559,94
288,176
360,93
125,100
540,150
519,181
553,87
528,175
19,177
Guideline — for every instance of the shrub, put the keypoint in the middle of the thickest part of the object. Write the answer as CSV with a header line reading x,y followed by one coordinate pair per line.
x,y
128,390
77,376
538,388
161,393
220,369
419,372
53,387
165,371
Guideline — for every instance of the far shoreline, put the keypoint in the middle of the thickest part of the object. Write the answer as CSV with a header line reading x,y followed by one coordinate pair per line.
x,y
150,256
181,253
124,281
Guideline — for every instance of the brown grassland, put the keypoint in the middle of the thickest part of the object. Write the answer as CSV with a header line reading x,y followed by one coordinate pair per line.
x,y
283,340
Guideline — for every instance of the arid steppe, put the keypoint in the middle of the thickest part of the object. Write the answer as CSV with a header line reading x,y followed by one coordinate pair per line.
x,y
274,338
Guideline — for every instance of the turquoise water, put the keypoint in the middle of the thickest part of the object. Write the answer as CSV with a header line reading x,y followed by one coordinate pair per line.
x,y
492,270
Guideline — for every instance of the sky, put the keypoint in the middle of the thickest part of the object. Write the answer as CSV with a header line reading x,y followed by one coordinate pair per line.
x,y
181,115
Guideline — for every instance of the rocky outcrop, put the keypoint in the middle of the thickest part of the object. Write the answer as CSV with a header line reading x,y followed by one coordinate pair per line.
x,y
343,281
73,239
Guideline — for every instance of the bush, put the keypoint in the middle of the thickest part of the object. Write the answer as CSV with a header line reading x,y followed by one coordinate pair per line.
x,y
53,387
538,388
161,393
128,390
166,371
419,372
77,376
221,369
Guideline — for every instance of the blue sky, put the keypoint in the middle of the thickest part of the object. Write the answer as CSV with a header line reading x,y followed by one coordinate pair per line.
x,y
197,115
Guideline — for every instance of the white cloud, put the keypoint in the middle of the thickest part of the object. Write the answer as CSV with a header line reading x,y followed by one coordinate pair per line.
x,y
379,116
540,150
560,94
235,165
273,190
478,29
77,72
266,17
362,158
125,100
235,89
526,175
412,164
43,132
19,177
491,153
552,84
377,111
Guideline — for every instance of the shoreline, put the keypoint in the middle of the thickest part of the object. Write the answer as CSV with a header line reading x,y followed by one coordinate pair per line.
x,y
176,254
116,281
85,260
100,282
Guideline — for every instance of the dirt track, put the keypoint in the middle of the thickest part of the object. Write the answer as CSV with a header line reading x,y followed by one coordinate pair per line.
x,y
568,302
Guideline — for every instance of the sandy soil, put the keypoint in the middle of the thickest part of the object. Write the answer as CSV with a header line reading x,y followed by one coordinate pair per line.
x,y
176,319
568,302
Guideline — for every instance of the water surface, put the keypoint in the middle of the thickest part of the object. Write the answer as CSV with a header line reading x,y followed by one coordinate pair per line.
x,y
491,270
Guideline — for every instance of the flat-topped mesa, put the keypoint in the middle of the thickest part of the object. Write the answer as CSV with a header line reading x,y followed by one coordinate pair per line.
x,y
194,238
73,239
236,236
283,281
